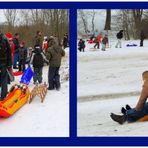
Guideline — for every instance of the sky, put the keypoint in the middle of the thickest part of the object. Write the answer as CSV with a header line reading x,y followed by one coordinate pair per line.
x,y
2,17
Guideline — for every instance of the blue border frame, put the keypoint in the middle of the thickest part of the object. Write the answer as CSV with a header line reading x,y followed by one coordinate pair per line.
x,y
73,140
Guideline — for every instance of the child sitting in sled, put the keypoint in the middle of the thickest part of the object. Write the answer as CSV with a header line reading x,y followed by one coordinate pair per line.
x,y
141,109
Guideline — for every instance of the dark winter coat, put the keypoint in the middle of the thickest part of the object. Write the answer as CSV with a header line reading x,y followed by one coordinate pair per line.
x,y
65,40
5,52
38,58
120,34
16,45
37,41
55,54
22,53
81,44
105,40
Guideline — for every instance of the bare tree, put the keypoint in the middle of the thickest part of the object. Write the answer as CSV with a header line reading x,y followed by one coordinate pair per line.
x,y
83,17
137,15
108,20
10,15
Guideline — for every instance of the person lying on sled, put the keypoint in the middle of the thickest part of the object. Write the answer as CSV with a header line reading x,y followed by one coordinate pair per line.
x,y
141,109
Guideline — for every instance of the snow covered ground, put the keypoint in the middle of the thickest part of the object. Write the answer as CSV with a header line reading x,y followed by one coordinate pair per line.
x,y
47,119
107,80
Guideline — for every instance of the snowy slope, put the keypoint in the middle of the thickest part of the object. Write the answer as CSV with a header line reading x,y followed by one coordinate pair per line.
x,y
47,119
108,80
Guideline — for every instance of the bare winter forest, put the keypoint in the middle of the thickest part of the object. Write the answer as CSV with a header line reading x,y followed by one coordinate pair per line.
x,y
131,21
27,21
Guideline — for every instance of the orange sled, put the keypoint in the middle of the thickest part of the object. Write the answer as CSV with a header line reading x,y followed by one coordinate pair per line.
x,y
16,98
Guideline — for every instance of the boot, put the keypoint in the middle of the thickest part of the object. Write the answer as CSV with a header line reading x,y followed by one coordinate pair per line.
x,y
123,111
118,118
128,107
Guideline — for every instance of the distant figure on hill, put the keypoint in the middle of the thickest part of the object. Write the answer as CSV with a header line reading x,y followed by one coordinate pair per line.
x,y
81,45
119,37
142,37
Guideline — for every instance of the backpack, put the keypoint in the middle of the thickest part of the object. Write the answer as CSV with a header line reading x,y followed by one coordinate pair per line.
x,y
3,48
38,60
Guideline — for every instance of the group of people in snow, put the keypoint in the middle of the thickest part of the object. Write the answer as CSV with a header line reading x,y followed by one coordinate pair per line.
x,y
98,39
15,55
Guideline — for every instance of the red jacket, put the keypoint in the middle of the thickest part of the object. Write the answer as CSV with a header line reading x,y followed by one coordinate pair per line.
x,y
98,38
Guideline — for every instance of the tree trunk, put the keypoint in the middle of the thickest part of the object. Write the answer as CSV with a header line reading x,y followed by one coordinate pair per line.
x,y
108,20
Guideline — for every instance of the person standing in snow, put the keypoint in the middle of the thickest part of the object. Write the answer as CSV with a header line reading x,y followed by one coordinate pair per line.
x,y
104,42
9,37
38,58
54,55
5,64
142,37
37,39
119,37
81,45
16,50
98,40
65,41
141,109
22,56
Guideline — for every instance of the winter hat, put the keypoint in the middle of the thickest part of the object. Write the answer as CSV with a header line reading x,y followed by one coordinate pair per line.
x,y
45,37
9,36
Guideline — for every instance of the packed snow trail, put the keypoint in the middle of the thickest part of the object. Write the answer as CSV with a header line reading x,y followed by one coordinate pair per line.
x,y
47,119
108,80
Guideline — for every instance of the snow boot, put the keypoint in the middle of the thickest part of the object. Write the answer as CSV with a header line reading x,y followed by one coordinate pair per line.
x,y
128,107
123,111
118,118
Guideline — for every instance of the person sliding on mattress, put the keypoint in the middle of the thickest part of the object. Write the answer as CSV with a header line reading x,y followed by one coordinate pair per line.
x,y
141,109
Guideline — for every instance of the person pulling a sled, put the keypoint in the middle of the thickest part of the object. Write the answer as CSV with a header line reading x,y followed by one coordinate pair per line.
x,y
141,109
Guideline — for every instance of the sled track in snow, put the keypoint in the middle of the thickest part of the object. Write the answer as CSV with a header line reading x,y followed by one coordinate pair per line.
x,y
82,99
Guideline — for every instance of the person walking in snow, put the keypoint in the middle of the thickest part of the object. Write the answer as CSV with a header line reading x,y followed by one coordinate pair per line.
x,y
22,56
98,40
119,37
141,109
104,42
38,58
54,55
81,45
142,37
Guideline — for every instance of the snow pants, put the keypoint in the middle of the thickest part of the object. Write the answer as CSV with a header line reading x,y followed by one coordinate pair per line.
x,y
118,43
97,44
133,115
54,78
3,81
103,47
22,63
37,75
